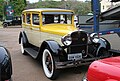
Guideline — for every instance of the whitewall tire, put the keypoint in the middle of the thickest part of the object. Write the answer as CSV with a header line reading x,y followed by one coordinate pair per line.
x,y
48,62
22,47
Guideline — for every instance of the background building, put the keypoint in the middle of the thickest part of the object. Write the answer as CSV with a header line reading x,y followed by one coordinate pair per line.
x,y
107,4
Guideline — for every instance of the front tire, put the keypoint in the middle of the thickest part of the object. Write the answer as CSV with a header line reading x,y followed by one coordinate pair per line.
x,y
103,52
48,62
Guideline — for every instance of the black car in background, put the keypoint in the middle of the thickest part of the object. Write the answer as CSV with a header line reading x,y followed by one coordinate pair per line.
x,y
12,22
5,64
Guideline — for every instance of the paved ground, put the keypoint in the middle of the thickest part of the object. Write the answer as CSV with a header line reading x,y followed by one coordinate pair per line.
x,y
26,68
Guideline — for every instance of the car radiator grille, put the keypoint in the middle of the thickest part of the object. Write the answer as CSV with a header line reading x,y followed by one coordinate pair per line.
x,y
79,43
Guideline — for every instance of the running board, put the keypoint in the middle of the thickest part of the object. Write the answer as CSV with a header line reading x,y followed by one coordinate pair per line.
x,y
32,52
115,52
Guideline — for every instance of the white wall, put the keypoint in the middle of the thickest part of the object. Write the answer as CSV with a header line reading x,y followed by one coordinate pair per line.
x,y
106,4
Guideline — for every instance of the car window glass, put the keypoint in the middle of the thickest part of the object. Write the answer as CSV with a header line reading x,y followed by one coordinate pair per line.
x,y
57,18
28,18
35,19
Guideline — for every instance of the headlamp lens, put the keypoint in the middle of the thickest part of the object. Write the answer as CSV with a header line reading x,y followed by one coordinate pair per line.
x,y
66,40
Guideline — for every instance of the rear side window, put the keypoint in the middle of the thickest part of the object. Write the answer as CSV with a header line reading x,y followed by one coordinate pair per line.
x,y
35,19
28,18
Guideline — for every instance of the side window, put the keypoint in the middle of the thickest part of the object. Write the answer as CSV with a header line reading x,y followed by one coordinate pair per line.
x,y
48,19
35,19
28,18
23,18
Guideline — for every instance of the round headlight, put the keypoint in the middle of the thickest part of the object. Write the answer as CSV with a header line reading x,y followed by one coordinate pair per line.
x,y
66,40
94,37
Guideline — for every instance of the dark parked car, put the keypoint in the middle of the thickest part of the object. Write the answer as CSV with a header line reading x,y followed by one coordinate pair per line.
x,y
5,64
14,21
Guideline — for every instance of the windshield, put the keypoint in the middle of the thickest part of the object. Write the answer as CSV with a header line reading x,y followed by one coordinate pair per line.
x,y
57,18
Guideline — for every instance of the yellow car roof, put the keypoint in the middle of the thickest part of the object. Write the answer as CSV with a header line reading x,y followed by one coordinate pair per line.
x,y
47,9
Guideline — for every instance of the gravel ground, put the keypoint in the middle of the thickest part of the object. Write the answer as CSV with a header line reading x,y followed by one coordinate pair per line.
x,y
25,68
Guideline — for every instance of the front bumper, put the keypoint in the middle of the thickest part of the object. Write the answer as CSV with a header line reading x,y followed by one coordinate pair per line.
x,y
69,64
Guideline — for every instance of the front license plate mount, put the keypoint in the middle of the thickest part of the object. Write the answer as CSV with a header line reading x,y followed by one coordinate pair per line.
x,y
76,56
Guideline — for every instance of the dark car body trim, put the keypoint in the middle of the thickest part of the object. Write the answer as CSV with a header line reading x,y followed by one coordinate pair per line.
x,y
57,13
5,64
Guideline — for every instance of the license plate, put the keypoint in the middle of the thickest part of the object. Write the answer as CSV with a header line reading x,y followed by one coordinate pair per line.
x,y
76,56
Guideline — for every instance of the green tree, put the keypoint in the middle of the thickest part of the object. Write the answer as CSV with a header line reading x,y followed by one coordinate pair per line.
x,y
80,8
19,6
1,8
48,4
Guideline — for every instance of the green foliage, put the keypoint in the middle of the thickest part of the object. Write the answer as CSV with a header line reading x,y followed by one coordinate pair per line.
x,y
1,7
19,6
48,4
80,8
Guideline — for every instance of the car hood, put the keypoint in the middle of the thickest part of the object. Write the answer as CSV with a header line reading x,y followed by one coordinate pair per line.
x,y
59,29
8,21
113,61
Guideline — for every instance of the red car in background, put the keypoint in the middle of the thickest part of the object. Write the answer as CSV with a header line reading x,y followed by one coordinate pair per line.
x,y
104,70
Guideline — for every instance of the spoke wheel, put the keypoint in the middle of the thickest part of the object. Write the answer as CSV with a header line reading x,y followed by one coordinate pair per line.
x,y
48,62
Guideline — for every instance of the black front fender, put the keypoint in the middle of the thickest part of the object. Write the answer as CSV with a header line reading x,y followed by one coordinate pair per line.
x,y
5,64
54,46
108,45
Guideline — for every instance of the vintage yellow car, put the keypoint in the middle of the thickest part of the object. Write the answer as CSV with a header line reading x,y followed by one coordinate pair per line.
x,y
51,36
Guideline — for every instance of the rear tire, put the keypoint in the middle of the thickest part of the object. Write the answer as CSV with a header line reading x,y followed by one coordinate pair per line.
x,y
48,62
5,25
22,47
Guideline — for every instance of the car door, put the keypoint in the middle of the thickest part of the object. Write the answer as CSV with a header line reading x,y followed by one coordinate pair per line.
x,y
35,29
